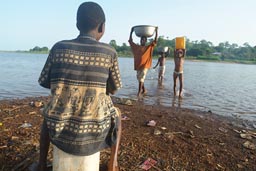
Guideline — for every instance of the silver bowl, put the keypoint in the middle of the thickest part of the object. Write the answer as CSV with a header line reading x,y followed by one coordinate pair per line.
x,y
144,30
163,49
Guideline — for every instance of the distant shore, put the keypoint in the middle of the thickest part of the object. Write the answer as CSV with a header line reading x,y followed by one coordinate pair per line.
x,y
24,51
155,57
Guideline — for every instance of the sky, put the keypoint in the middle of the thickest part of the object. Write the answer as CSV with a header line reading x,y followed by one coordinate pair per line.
x,y
29,23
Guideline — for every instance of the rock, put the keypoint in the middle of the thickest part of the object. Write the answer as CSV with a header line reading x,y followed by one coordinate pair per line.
x,y
157,132
39,104
128,102
163,128
246,136
240,166
191,134
219,167
223,130
198,127
249,145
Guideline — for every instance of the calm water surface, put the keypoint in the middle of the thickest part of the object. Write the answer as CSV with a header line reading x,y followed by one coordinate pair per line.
x,y
225,89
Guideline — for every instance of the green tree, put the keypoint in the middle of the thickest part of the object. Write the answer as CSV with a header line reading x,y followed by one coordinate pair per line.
x,y
113,44
202,49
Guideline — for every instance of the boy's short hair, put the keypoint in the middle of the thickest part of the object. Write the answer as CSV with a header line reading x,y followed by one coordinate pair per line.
x,y
89,16
144,37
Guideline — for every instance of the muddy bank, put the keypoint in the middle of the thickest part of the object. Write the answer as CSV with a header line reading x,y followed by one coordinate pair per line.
x,y
181,139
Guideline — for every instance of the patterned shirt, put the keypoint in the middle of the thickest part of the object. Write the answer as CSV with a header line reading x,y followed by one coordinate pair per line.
x,y
80,115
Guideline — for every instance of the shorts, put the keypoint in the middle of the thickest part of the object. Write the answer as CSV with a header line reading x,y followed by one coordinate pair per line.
x,y
178,73
141,74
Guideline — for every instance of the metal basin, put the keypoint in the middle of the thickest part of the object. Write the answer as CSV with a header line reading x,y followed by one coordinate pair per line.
x,y
163,49
144,30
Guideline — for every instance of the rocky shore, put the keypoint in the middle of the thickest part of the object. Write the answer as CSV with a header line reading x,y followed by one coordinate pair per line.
x,y
172,138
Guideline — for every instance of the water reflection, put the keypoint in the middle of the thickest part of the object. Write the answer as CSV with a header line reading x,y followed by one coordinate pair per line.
x,y
177,102
159,96
160,85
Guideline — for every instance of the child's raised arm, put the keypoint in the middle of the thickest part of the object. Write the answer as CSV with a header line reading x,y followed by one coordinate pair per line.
x,y
157,63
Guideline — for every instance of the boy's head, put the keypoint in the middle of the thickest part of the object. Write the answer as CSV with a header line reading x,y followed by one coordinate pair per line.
x,y
90,16
143,41
179,53
162,54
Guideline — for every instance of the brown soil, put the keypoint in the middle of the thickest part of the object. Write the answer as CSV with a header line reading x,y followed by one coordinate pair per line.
x,y
181,140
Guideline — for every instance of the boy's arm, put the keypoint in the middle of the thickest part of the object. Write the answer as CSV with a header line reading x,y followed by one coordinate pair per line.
x,y
174,53
114,81
154,42
156,64
44,79
184,52
130,38
156,34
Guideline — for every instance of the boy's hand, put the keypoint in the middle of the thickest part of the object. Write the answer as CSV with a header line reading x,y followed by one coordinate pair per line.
x,y
132,29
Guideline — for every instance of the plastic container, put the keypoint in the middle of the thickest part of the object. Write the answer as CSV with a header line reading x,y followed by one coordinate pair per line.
x,y
180,43
64,161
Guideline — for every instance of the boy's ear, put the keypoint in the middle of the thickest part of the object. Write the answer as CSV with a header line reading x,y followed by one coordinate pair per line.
x,y
101,28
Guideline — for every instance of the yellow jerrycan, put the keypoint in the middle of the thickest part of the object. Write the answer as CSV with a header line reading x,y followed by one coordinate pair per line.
x,y
180,43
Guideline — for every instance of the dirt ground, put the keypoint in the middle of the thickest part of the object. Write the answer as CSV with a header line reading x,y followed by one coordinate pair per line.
x,y
182,139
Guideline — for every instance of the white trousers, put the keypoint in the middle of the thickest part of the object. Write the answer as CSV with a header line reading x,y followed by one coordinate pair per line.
x,y
66,162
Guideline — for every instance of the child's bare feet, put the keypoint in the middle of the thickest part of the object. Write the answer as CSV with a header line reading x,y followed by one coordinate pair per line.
x,y
144,92
181,95
139,95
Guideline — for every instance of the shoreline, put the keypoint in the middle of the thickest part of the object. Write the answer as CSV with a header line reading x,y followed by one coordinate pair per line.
x,y
237,121
240,122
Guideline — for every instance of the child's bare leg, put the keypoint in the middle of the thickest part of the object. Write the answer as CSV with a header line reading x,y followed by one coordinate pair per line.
x,y
113,164
159,76
144,91
174,84
44,147
140,91
181,85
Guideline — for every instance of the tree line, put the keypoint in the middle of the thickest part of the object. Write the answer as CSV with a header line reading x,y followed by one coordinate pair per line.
x,y
201,50
198,50
39,49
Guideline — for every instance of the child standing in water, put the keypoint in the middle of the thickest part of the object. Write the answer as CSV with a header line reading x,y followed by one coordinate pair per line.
x,y
142,58
179,59
161,63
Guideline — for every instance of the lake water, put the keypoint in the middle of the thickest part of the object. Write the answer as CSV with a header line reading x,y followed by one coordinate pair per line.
x,y
223,88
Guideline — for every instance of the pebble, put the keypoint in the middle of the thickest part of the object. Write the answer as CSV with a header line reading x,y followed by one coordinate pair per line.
x,y
249,145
